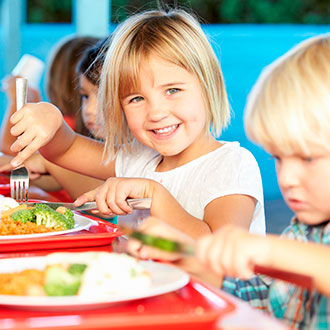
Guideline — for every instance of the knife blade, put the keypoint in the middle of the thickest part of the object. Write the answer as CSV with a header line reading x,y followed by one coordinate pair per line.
x,y
136,203
169,245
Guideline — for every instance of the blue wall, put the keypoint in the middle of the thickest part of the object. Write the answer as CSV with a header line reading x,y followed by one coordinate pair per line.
x,y
243,51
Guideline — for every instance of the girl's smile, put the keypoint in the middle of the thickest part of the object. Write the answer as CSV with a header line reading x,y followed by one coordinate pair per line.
x,y
166,111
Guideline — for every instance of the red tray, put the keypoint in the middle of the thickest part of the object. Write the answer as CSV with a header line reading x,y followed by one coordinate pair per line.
x,y
100,234
4,184
195,306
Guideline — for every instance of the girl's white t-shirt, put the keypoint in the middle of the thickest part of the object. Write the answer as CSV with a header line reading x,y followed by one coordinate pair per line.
x,y
230,169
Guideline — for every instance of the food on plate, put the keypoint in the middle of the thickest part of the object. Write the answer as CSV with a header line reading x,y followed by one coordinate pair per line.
x,y
41,218
86,274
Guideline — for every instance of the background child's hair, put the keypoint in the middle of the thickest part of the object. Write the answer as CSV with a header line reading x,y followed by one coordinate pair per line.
x,y
174,36
91,62
289,106
61,82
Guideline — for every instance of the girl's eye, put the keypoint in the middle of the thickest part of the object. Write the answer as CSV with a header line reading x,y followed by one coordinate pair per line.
x,y
172,90
136,99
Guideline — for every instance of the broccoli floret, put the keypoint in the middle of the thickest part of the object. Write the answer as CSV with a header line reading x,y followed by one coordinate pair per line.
x,y
24,215
48,217
67,213
59,282
69,216
77,269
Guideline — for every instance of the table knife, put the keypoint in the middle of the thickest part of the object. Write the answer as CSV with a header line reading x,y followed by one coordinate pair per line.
x,y
189,250
137,203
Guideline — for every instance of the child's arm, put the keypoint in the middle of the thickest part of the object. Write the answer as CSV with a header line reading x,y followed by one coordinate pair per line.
x,y
111,199
41,126
73,183
233,251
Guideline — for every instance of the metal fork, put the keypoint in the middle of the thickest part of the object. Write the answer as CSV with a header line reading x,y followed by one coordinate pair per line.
x,y
19,177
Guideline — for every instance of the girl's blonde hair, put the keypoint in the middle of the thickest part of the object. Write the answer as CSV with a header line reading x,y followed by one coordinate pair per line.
x,y
175,36
289,107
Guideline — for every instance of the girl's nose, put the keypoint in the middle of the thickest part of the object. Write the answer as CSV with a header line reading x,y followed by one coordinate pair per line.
x,y
157,111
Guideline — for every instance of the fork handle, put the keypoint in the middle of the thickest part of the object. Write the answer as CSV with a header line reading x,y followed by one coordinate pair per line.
x,y
21,92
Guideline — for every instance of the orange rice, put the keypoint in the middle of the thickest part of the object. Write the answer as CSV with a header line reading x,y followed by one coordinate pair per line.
x,y
28,282
10,227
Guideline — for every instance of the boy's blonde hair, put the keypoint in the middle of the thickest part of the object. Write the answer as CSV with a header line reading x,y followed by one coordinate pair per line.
x,y
289,107
175,36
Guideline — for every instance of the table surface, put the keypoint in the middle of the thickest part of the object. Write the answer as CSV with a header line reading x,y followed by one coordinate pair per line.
x,y
195,306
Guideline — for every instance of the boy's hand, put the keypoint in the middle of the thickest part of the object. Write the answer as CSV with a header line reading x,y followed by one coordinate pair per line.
x,y
156,227
111,196
232,251
35,125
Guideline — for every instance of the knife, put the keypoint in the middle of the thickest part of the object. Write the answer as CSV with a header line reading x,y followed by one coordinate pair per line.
x,y
137,203
168,245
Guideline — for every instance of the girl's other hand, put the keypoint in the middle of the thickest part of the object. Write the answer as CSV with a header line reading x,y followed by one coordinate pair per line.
x,y
35,125
232,251
111,196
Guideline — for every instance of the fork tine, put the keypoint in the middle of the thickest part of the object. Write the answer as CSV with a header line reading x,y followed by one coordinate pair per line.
x,y
12,189
21,189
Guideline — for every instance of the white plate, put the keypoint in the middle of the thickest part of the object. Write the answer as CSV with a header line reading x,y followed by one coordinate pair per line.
x,y
164,278
81,223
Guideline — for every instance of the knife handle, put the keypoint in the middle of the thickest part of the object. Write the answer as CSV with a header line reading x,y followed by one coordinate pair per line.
x,y
304,281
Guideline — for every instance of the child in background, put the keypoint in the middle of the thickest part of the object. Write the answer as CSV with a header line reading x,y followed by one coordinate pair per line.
x,y
62,79
88,72
161,92
61,87
288,113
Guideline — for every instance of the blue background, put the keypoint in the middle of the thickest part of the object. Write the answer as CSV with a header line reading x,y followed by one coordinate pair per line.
x,y
243,50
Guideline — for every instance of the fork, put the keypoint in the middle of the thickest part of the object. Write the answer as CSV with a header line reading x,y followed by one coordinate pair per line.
x,y
19,177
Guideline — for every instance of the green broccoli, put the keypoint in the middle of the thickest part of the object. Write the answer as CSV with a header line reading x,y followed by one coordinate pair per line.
x,y
48,217
77,269
24,215
69,216
60,282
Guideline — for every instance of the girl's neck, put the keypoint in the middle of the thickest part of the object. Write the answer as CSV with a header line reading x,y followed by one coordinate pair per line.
x,y
191,153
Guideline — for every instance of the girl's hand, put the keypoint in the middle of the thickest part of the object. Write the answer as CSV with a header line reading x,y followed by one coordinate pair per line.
x,y
232,251
35,125
111,196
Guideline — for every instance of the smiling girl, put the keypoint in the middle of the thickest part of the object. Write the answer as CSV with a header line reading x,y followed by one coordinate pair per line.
x,y
162,94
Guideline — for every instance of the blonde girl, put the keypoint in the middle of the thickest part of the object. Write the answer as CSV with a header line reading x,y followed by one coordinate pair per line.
x,y
162,93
